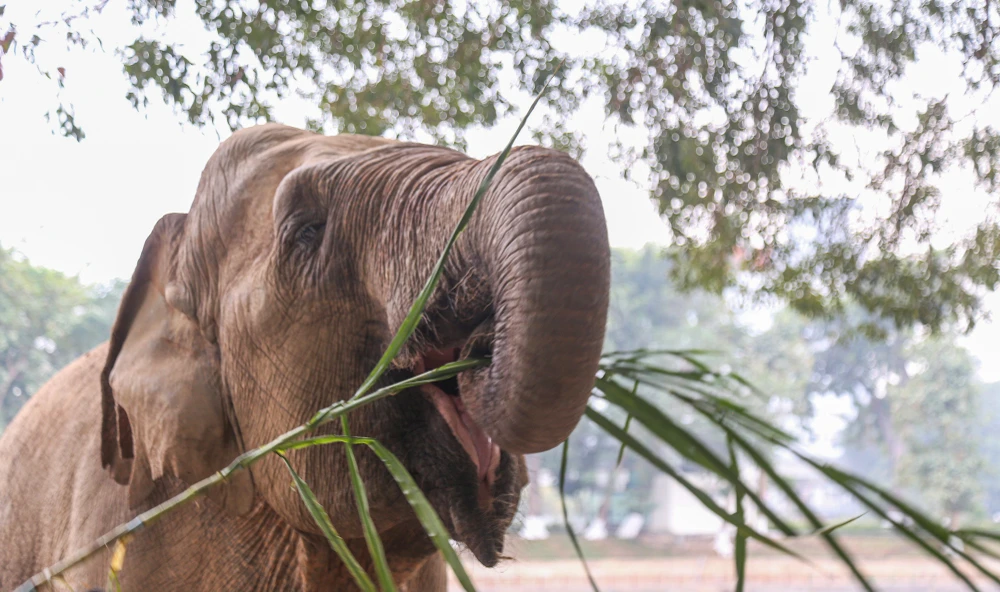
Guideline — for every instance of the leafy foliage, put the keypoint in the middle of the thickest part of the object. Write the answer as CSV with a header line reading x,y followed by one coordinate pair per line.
x,y
753,187
944,460
46,321
900,429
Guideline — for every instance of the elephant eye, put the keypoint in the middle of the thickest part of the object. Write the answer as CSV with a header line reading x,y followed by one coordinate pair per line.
x,y
310,235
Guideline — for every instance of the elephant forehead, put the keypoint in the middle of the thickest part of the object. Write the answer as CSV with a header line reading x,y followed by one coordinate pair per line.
x,y
230,218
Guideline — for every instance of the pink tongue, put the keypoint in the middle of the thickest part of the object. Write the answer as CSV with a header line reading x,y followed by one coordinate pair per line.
x,y
480,448
482,443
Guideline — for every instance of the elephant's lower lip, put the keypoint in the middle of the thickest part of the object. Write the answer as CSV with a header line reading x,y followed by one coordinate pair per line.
x,y
480,448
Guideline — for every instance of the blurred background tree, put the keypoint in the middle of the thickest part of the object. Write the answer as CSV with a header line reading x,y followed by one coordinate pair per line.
x,y
46,321
917,416
755,192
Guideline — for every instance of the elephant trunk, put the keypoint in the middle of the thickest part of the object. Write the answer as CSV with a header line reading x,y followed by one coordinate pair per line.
x,y
541,241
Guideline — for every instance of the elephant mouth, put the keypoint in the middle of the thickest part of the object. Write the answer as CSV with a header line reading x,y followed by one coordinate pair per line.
x,y
447,399
476,495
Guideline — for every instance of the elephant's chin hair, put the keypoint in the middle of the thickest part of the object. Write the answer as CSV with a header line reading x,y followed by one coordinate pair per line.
x,y
480,531
483,532
484,542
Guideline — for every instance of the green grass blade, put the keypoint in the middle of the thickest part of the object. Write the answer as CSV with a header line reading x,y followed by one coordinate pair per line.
x,y
939,532
639,448
422,508
688,356
676,438
647,352
972,542
425,512
340,408
323,521
372,539
718,413
409,324
979,532
684,442
702,395
761,461
942,534
621,450
907,532
696,392
836,526
628,422
970,537
740,549
565,512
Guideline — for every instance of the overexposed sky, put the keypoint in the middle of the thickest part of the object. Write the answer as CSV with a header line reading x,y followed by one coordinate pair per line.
x,y
86,208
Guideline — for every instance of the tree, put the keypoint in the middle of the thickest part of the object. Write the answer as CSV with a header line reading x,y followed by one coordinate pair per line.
x,y
854,365
919,411
990,446
46,321
755,191
938,414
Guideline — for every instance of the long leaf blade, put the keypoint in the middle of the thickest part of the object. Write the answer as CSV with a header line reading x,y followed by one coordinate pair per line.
x,y
565,513
418,501
372,538
425,512
761,461
322,519
654,459
899,526
740,548
684,442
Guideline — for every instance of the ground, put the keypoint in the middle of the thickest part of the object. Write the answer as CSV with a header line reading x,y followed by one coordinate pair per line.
x,y
660,565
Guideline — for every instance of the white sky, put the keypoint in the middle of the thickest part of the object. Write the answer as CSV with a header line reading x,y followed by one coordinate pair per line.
x,y
86,208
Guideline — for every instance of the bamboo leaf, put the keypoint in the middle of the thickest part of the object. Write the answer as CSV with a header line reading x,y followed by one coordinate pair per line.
x,y
902,528
647,352
641,449
838,525
975,544
978,532
942,534
422,508
761,461
696,393
565,513
425,512
740,549
322,519
372,539
628,421
684,442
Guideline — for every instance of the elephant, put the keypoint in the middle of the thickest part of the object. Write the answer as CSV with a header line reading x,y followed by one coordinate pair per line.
x,y
275,296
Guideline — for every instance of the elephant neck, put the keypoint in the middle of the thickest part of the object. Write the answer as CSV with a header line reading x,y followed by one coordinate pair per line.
x,y
407,549
204,548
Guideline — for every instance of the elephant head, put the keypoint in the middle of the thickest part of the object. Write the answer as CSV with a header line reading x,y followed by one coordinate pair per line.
x,y
281,288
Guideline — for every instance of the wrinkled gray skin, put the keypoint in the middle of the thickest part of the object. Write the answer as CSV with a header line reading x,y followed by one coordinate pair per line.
x,y
275,296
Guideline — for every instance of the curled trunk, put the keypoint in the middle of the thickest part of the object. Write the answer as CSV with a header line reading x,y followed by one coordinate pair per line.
x,y
542,242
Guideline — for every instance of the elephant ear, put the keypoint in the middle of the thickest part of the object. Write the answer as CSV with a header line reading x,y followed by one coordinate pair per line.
x,y
163,409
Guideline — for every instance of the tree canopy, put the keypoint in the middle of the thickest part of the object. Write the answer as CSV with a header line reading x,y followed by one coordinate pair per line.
x,y
755,191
